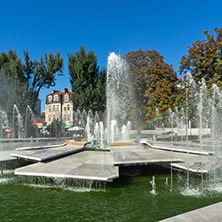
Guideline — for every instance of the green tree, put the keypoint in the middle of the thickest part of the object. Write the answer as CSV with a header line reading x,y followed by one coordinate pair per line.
x,y
14,84
87,81
57,128
204,59
154,80
21,81
43,73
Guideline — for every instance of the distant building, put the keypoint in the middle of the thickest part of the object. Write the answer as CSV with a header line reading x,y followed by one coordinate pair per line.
x,y
39,122
59,106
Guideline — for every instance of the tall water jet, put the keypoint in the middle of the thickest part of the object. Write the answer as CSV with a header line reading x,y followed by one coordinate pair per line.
x,y
77,117
3,121
153,184
90,127
20,125
102,134
83,118
205,108
119,95
213,129
29,113
120,100
216,109
157,116
203,96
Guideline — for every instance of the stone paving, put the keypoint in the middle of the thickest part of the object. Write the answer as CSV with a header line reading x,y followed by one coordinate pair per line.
x,y
89,165
5,155
180,159
210,213
193,158
134,155
42,154
103,165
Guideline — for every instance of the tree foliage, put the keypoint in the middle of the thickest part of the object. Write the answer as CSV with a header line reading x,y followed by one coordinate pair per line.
x,y
56,128
21,81
204,59
87,81
154,80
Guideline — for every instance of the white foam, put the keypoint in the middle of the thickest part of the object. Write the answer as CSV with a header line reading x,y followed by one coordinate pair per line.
x,y
5,180
72,189
196,192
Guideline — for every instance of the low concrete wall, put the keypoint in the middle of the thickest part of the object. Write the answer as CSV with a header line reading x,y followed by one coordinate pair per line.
x,y
31,139
179,132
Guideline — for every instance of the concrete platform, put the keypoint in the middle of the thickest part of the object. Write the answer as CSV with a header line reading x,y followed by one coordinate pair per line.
x,y
103,165
46,153
40,147
89,165
5,155
210,213
195,161
195,164
170,147
133,155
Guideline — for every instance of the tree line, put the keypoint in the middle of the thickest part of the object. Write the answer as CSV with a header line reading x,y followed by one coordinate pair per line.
x,y
155,82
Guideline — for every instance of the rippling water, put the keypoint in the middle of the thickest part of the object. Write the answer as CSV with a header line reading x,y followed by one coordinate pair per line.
x,y
126,199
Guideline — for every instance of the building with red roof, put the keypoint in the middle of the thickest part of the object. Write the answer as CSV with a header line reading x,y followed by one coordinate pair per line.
x,y
59,106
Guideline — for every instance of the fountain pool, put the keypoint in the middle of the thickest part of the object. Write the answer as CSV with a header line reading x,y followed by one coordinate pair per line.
x,y
126,199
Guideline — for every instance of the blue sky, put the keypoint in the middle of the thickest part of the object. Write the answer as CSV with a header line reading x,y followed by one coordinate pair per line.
x,y
105,26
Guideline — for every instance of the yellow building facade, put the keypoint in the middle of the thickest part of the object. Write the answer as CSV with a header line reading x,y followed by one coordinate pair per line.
x,y
59,106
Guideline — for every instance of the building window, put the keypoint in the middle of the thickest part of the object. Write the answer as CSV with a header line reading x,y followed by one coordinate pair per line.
x,y
53,107
68,107
56,98
50,118
57,108
50,108
66,98
64,108
68,117
64,117
49,99
53,117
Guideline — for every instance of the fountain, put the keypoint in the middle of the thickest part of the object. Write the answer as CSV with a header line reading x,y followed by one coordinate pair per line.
x,y
200,119
20,125
153,184
119,104
117,125
3,121
29,113
119,99
127,189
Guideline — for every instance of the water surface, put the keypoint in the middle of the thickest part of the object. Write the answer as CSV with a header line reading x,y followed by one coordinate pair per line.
x,y
128,198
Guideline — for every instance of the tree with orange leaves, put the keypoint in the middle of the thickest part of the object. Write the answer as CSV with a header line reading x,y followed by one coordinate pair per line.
x,y
204,59
154,80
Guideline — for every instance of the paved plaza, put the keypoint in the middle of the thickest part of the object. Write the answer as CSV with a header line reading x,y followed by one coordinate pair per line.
x,y
46,153
88,165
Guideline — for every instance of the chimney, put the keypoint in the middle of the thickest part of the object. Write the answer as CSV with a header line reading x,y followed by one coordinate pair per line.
x,y
65,90
53,91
